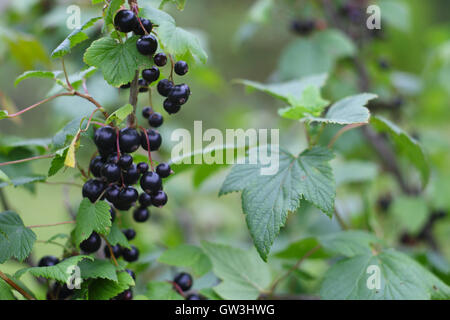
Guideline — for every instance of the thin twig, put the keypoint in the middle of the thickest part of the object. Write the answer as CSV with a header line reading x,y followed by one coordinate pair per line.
x,y
134,91
39,103
113,257
16,286
50,225
45,156
343,130
66,75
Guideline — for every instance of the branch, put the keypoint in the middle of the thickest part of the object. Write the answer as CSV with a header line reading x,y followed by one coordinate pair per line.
x,y
39,103
50,225
343,130
16,286
45,156
134,91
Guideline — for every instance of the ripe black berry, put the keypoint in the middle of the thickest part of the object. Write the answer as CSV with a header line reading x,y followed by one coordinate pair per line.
x,y
112,158
141,214
126,86
112,193
171,107
131,176
48,261
147,24
128,195
179,94
184,281
151,74
96,166
91,244
154,139
122,206
303,27
160,59
126,295
131,273
194,296
147,45
142,167
111,172
130,255
181,68
155,120
129,233
93,189
129,140
125,21
145,199
117,251
164,87
146,112
151,182
125,161
159,199
163,169
105,138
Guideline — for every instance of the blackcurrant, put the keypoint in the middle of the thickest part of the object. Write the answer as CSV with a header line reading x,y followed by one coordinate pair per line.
x,y
128,195
147,45
154,139
164,87
155,120
151,74
163,169
141,214
171,107
112,158
125,161
131,273
126,295
184,281
179,94
131,176
194,296
146,112
112,193
117,251
159,199
122,206
48,261
105,138
125,21
142,167
160,59
130,255
147,24
125,86
151,182
130,234
111,172
181,68
96,166
129,140
142,83
91,244
93,189
145,199
303,27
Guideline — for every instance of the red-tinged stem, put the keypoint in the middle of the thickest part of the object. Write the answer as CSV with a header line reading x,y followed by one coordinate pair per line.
x,y
16,286
148,147
65,74
39,103
50,225
172,65
111,251
46,156
343,130
177,288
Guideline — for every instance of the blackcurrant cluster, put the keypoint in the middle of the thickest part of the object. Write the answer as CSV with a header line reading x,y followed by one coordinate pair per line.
x,y
176,94
183,282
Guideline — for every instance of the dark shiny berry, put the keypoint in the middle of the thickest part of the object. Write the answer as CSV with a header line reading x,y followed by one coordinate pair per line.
x,y
126,86
130,255
96,166
122,206
171,107
131,176
154,139
112,158
145,199
112,193
143,89
111,172
146,112
159,199
105,138
160,59
155,120
151,74
48,261
128,195
93,189
126,295
164,87
151,182
129,140
194,296
130,234
142,83
184,281
179,94
91,244
141,214
384,202
131,273
125,21
112,211
117,251
142,167
147,45
303,27
125,161
181,68
163,169
147,24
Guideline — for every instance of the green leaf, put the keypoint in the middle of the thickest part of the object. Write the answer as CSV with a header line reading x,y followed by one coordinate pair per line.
x,y
65,135
94,269
267,199
118,62
116,236
60,272
243,275
298,249
16,240
405,145
3,114
104,289
187,256
91,217
287,91
348,110
349,243
396,14
401,278
120,114
210,294
179,3
5,291
37,74
75,37
162,291
411,213
4,177
57,163
313,55
310,103
174,40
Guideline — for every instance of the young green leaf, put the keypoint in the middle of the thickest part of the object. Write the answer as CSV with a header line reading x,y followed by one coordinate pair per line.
x,y
5,291
187,256
120,114
104,289
298,249
162,291
91,217
16,240
37,74
3,114
116,236
310,103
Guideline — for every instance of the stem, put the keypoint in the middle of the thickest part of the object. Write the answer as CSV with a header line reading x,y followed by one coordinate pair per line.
x,y
343,130
134,91
148,147
4,201
172,64
39,103
50,225
111,251
46,156
340,220
177,288
66,75
15,286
